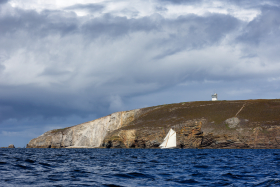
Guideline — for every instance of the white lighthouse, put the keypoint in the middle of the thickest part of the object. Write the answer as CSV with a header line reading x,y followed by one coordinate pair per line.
x,y
214,97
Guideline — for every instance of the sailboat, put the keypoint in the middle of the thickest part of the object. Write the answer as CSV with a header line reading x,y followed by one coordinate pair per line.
x,y
169,140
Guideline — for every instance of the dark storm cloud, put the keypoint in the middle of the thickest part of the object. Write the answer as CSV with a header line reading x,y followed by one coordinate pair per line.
x,y
88,7
118,26
185,32
181,1
3,1
249,3
191,32
161,9
39,24
241,3
263,27
57,22
33,102
194,32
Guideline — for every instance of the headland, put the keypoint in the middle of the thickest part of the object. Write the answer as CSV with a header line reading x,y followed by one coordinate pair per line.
x,y
241,124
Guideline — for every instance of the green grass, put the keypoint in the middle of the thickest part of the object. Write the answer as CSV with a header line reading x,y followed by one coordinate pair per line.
x,y
59,130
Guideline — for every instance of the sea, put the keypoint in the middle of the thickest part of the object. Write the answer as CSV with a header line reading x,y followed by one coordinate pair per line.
x,y
139,167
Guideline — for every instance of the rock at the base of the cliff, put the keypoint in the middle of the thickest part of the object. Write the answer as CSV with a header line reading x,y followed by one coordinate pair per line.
x,y
118,144
11,146
108,144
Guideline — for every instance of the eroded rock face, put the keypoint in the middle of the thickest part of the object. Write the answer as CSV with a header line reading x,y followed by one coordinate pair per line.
x,y
191,135
188,134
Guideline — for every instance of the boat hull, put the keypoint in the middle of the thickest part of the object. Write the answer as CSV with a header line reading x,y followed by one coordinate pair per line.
x,y
169,148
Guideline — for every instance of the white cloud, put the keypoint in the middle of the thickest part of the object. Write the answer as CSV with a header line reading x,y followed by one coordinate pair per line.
x,y
140,8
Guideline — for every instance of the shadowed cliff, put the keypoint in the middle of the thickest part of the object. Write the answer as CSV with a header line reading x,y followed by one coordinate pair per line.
x,y
202,124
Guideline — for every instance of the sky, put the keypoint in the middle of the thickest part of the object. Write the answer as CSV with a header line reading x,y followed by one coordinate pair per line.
x,y
65,62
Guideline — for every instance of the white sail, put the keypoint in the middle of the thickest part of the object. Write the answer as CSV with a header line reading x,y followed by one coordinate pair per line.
x,y
169,140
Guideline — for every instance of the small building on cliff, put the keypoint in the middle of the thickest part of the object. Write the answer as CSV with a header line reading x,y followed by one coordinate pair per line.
x,y
215,97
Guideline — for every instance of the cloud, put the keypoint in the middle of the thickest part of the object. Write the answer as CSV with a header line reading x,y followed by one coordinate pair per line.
x,y
196,32
59,69
249,4
181,1
264,28
87,7
3,1
241,3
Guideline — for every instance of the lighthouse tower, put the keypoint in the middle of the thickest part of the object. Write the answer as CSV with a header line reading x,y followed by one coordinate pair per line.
x,y
214,97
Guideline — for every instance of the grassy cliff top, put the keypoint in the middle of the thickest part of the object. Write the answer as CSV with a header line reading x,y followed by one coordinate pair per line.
x,y
259,111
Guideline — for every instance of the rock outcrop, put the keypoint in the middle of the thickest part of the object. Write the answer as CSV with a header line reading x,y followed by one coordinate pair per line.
x,y
204,124
11,146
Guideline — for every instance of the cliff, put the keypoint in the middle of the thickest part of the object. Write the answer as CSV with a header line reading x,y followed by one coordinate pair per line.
x,y
202,124
89,134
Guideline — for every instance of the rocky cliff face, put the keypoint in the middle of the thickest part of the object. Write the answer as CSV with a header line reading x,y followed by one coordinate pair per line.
x,y
89,134
205,124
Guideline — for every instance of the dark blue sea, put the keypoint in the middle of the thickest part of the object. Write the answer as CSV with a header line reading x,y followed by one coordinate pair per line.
x,y
139,167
